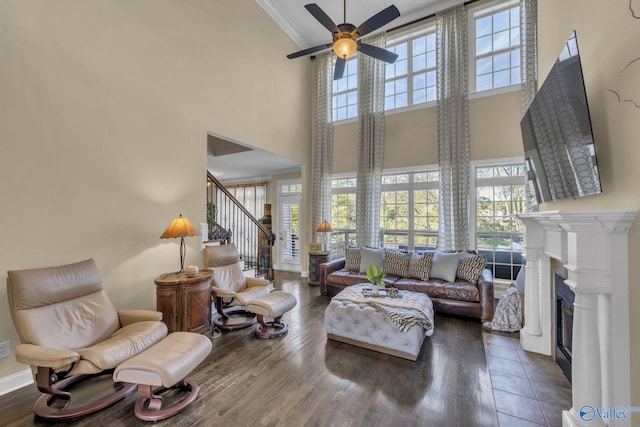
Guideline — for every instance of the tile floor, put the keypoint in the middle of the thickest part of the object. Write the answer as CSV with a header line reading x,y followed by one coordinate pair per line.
x,y
529,389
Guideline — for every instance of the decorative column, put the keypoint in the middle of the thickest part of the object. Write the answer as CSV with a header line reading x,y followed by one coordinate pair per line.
x,y
532,293
593,247
532,337
585,362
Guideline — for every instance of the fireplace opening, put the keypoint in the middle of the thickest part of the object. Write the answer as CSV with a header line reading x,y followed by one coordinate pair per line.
x,y
564,324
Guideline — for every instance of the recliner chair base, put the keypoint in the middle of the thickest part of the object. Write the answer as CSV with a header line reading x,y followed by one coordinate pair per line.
x,y
272,329
45,406
239,319
232,318
149,405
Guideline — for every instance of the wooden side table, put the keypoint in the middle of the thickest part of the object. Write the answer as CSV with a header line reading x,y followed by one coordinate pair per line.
x,y
185,302
314,267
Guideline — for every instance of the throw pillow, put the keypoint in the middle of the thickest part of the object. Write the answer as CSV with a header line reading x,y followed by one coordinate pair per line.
x,y
352,259
470,266
420,266
445,266
396,263
370,256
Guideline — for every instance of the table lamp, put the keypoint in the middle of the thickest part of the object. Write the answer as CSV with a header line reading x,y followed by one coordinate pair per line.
x,y
325,228
180,227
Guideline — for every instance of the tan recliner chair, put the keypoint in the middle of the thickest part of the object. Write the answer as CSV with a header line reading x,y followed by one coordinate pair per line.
x,y
69,328
232,290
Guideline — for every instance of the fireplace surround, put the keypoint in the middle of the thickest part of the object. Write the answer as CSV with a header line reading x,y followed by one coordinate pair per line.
x,y
563,323
592,246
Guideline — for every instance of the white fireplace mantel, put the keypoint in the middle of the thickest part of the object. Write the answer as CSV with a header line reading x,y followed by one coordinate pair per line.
x,y
593,247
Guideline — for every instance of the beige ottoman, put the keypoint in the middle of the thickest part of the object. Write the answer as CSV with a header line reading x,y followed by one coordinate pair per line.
x,y
273,305
163,366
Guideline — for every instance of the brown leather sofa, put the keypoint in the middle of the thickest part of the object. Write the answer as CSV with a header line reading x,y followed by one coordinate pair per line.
x,y
460,297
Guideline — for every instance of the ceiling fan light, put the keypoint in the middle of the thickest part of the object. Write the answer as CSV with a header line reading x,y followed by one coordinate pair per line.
x,y
345,47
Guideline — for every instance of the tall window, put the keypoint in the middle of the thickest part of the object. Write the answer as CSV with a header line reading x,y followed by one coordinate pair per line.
x,y
344,101
409,210
411,79
251,196
500,194
496,44
343,214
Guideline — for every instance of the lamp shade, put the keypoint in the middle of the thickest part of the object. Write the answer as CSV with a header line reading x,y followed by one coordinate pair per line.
x,y
345,47
179,227
324,227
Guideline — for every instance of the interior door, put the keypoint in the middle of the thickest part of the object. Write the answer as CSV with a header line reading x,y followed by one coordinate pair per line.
x,y
289,232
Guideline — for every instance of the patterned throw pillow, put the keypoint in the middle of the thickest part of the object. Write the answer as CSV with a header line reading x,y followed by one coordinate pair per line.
x,y
396,263
470,266
420,266
352,259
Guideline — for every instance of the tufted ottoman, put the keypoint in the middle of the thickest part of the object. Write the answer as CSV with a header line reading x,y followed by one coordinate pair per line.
x,y
361,325
273,305
163,366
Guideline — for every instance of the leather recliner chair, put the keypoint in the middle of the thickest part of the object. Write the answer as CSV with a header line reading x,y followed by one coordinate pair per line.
x,y
69,328
232,290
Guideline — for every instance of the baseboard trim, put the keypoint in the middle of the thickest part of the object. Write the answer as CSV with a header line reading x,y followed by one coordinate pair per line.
x,y
15,381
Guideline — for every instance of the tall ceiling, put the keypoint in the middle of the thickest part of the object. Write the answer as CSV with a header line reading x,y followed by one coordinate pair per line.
x,y
303,28
228,164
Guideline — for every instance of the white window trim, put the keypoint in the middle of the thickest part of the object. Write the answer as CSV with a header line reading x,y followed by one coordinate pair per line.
x,y
290,181
495,91
346,92
476,164
489,8
408,36
410,187
345,121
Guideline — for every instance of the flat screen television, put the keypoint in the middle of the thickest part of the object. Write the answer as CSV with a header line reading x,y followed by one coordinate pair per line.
x,y
558,141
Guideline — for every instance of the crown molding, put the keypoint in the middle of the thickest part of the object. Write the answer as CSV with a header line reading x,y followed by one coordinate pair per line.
x,y
291,29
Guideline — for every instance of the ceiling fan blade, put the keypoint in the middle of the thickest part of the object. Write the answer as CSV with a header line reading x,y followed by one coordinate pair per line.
x,y
338,72
377,52
322,17
378,20
309,51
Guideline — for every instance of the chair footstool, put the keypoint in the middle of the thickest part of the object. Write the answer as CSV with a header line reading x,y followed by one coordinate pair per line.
x,y
273,305
163,366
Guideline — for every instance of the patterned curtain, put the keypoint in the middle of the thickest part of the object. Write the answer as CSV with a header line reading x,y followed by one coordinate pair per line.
x,y
371,74
453,129
528,68
322,141
528,52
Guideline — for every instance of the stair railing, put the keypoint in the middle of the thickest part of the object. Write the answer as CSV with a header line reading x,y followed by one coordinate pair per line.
x,y
230,222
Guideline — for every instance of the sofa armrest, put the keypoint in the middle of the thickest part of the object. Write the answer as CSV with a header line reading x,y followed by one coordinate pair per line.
x,y
35,355
485,288
331,266
128,317
326,269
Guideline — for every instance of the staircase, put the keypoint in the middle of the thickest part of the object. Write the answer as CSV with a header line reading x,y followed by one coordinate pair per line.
x,y
230,222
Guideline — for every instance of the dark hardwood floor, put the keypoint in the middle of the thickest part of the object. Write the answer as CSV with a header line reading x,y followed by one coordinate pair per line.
x,y
303,380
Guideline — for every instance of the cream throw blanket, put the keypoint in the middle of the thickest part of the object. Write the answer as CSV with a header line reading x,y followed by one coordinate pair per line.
x,y
412,309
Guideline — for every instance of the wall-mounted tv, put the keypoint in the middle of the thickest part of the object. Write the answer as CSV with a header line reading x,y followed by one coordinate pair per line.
x,y
558,142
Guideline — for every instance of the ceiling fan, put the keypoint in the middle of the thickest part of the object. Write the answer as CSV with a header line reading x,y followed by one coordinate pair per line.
x,y
345,37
